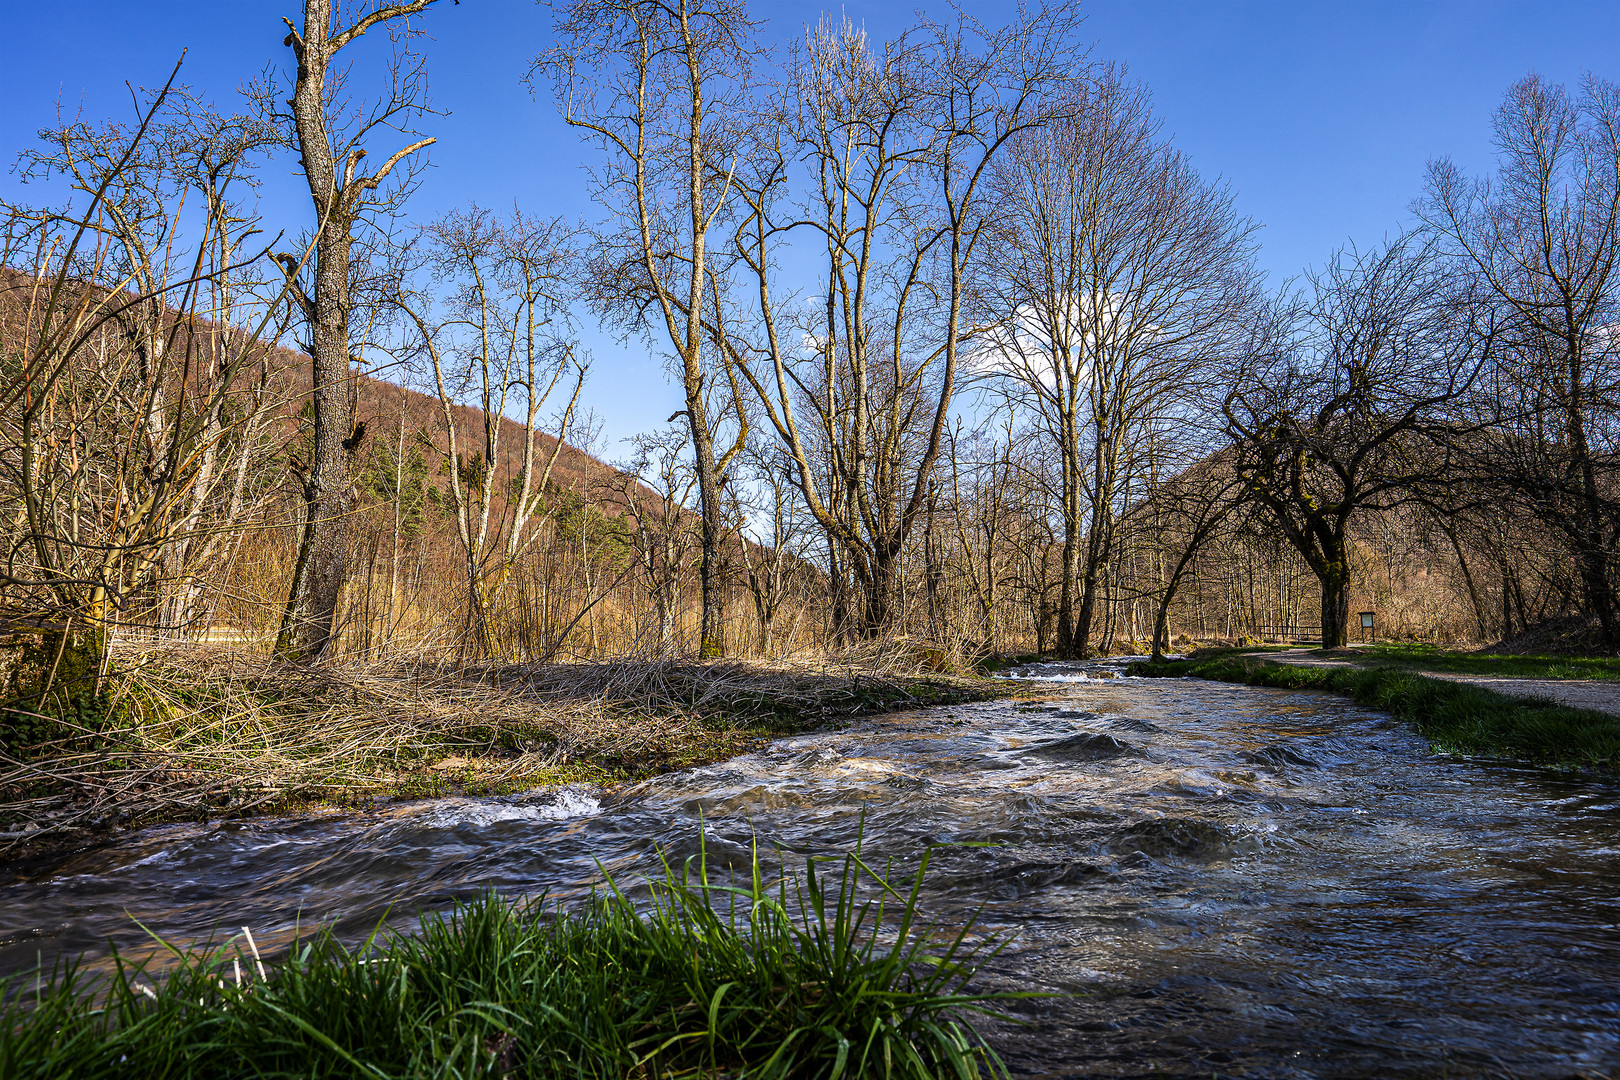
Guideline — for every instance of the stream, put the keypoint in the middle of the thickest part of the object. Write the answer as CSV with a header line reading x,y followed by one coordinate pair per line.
x,y
1216,880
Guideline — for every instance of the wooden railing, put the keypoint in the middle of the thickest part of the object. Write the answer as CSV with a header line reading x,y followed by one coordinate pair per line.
x,y
1290,633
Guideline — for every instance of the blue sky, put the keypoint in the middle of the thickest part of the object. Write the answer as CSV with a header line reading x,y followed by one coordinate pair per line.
x,y
1321,116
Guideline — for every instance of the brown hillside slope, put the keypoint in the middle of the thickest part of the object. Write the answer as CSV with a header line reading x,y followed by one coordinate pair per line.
x,y
379,403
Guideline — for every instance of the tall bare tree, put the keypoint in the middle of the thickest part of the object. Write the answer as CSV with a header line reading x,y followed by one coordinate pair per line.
x,y
1347,403
1544,238
1121,276
661,87
331,137
504,347
896,142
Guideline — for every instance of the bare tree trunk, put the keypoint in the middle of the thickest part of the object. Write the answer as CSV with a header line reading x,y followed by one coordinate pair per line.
x,y
1507,603
838,584
339,193
398,512
1161,621
1468,579
306,626
1097,545
713,528
1070,641
1335,606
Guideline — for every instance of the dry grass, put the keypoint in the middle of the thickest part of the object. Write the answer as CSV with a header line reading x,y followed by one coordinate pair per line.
x,y
209,730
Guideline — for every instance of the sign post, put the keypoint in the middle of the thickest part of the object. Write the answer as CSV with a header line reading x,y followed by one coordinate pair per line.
x,y
1366,626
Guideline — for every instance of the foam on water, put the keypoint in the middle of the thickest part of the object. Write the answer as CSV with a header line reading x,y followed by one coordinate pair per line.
x,y
1204,879
564,803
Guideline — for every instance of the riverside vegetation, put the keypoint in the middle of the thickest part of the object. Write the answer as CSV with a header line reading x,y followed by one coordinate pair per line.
x,y
1498,665
240,572
188,732
1455,717
196,443
827,974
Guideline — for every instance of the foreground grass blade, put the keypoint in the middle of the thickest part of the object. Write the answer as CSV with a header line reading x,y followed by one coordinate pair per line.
x,y
824,976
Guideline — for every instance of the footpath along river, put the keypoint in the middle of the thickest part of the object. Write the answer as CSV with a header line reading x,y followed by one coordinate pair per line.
x,y
1219,880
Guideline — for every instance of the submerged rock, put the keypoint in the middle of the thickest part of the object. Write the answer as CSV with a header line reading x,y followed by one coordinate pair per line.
x,y
1278,757
1184,838
1087,746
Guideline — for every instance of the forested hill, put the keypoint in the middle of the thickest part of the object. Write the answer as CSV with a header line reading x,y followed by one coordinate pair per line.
x,y
382,405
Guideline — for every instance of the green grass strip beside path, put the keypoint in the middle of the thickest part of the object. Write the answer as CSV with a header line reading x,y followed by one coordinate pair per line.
x,y
1455,717
1433,658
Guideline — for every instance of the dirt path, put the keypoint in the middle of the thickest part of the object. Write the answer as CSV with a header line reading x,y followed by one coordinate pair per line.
x,y
1592,694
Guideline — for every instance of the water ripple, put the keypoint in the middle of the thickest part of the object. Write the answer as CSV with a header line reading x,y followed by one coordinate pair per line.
x,y
1217,880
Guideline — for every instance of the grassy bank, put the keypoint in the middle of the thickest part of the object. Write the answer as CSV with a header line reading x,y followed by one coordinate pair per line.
x,y
185,732
1455,717
831,975
1419,657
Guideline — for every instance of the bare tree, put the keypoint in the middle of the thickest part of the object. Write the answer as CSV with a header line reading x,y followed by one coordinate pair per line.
x,y
140,186
661,87
1346,403
1034,533
507,338
774,566
1187,512
1120,276
129,405
654,488
331,137
1544,239
983,512
215,156
897,142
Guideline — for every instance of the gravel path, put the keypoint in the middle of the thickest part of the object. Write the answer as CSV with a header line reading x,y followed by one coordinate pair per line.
x,y
1594,694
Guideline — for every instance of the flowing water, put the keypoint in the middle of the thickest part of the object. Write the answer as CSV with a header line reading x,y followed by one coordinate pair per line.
x,y
1216,880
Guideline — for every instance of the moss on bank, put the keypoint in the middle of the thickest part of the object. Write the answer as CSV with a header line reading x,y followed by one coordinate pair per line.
x,y
1455,717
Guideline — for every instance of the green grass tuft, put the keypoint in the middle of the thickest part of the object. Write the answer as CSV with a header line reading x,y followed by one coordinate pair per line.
x,y
825,975
1455,717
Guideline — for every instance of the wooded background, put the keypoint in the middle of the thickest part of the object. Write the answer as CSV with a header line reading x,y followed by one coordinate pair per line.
x,y
971,355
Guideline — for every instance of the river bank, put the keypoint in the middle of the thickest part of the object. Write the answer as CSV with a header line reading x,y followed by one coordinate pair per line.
x,y
194,733
1482,706
1201,879
763,979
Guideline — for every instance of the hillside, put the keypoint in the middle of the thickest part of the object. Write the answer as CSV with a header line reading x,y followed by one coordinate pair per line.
x,y
379,403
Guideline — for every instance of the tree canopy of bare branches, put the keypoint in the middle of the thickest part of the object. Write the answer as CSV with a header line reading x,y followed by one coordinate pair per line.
x,y
1346,403
504,347
138,371
1120,281
1544,241
662,89
895,143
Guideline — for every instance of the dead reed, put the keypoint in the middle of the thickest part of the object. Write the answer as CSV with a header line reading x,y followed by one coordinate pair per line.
x,y
205,730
